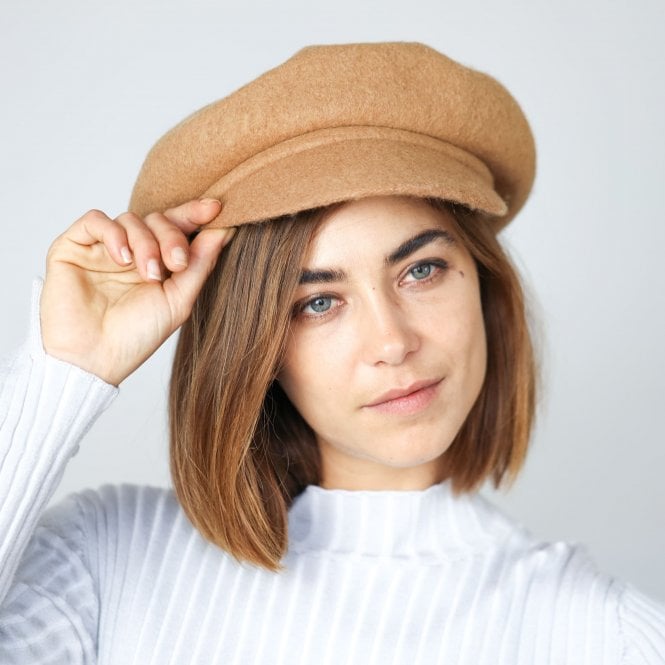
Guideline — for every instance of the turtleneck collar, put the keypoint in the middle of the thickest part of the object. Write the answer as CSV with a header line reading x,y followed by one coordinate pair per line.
x,y
415,523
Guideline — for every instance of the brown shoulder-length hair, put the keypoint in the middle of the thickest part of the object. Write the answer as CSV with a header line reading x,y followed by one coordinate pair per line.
x,y
240,452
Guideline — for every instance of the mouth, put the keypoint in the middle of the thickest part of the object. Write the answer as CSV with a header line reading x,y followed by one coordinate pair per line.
x,y
409,400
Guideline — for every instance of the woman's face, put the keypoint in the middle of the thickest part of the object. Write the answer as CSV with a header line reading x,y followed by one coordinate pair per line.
x,y
387,350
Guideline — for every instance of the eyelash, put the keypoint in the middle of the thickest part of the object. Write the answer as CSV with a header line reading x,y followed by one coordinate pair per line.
x,y
440,266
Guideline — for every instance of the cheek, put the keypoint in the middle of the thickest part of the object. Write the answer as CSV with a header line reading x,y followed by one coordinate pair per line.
x,y
308,375
478,353
317,359
476,347
461,335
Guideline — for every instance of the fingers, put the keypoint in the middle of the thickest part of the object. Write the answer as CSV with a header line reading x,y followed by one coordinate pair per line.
x,y
189,216
145,242
171,248
204,251
169,230
96,227
149,245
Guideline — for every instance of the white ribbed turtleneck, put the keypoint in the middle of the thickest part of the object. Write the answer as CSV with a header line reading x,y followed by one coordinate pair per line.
x,y
119,575
430,524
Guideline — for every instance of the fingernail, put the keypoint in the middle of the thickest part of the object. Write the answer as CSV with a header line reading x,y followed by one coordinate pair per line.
x,y
179,256
230,232
209,201
153,270
126,254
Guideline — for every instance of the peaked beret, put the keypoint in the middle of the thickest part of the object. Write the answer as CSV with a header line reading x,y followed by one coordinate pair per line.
x,y
340,122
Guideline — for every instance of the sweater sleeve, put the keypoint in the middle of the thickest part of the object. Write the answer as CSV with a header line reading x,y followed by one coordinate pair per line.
x,y
46,407
642,628
51,612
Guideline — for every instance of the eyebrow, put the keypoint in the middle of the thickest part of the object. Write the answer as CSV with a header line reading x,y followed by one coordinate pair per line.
x,y
321,276
405,249
414,244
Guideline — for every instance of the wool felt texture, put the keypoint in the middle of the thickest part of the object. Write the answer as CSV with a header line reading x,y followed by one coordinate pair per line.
x,y
340,122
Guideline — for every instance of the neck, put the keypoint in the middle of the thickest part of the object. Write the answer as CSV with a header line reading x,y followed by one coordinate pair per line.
x,y
340,471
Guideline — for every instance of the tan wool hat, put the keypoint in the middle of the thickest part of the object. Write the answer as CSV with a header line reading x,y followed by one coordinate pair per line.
x,y
342,122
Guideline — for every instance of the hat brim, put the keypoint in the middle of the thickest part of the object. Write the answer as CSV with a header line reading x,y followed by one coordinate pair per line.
x,y
344,163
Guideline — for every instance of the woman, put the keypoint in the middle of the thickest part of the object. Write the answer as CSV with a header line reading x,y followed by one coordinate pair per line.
x,y
350,370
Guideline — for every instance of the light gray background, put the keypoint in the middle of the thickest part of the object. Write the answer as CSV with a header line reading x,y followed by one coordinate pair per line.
x,y
87,87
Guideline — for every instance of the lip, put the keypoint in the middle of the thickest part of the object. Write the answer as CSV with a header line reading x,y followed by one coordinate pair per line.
x,y
412,399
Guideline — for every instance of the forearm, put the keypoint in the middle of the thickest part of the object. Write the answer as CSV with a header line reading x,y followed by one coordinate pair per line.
x,y
46,407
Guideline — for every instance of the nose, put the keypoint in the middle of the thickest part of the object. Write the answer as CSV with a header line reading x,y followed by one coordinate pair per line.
x,y
386,334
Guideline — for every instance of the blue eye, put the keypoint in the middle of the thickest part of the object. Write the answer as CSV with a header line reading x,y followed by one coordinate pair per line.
x,y
319,304
421,271
317,307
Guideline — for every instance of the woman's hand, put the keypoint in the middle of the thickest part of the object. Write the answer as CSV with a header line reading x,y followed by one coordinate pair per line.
x,y
108,301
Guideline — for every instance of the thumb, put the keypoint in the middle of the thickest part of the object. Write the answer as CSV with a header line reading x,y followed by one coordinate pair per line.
x,y
203,254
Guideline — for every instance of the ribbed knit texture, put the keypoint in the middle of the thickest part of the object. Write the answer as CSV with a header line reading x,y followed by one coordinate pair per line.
x,y
119,576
